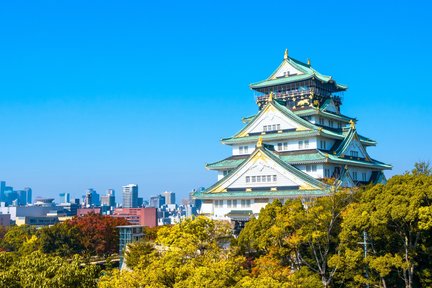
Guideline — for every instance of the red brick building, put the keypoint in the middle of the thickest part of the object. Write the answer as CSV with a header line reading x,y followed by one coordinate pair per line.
x,y
84,211
138,216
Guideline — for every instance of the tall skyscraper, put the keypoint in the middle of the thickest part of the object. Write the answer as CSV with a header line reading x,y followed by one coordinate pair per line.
x,y
130,196
29,194
169,197
108,199
64,197
157,201
2,191
91,199
22,197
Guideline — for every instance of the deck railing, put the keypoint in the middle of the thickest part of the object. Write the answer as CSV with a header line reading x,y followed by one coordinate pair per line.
x,y
300,92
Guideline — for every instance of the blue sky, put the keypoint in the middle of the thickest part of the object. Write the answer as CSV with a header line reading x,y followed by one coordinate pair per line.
x,y
116,92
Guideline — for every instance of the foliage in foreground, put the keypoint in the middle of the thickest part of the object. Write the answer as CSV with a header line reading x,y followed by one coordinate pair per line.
x,y
88,235
314,243
40,270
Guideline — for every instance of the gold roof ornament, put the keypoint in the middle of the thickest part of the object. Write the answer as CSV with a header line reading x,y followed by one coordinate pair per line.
x,y
309,62
259,143
352,124
286,54
270,97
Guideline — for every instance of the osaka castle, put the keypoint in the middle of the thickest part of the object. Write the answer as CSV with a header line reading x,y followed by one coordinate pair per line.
x,y
298,144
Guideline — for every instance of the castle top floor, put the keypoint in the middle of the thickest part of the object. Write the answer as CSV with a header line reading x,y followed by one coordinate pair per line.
x,y
294,81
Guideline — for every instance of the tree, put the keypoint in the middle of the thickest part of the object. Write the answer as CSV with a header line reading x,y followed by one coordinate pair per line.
x,y
136,253
98,234
187,254
297,234
41,270
397,219
61,239
16,236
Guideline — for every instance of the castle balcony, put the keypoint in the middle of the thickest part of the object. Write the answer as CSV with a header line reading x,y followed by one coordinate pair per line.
x,y
301,93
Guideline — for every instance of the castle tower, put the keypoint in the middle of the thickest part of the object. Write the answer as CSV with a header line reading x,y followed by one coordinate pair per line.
x,y
298,142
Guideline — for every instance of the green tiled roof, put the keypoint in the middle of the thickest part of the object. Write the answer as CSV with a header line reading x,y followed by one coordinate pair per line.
x,y
270,137
308,73
248,119
295,158
315,130
284,110
344,144
312,111
302,175
228,163
261,194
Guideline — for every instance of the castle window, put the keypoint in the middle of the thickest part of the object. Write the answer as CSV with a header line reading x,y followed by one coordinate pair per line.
x,y
235,203
306,144
229,203
331,123
218,203
279,146
247,179
245,203
364,176
300,144
354,175
274,178
321,121
327,173
253,179
243,150
268,178
273,127
354,153
285,146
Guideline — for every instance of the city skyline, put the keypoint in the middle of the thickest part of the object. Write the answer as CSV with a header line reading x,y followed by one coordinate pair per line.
x,y
121,98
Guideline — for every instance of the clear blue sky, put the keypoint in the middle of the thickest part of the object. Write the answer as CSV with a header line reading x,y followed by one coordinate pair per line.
x,y
115,92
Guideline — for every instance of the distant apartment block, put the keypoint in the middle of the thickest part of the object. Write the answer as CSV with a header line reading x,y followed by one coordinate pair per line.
x,y
85,211
130,196
157,201
169,197
138,216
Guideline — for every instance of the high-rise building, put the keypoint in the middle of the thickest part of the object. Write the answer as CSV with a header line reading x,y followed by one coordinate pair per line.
x,y
130,196
64,197
22,197
169,197
157,201
298,142
91,198
2,191
108,199
29,194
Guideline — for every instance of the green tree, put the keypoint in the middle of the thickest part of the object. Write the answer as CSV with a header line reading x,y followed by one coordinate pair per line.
x,y
16,236
188,254
61,239
397,219
298,234
41,270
